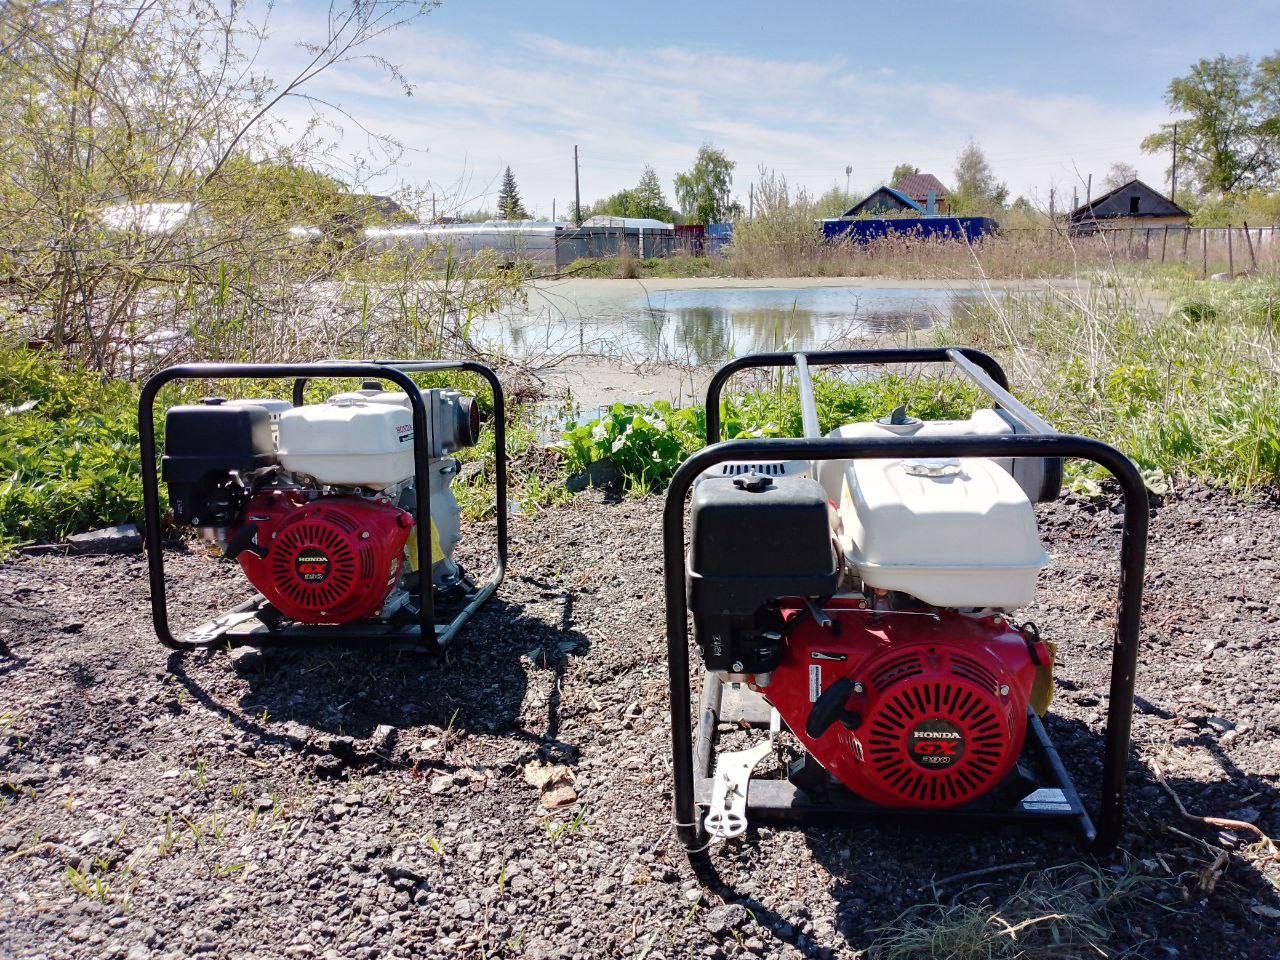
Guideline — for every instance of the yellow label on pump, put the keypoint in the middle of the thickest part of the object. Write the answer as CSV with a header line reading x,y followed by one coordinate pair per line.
x,y
437,554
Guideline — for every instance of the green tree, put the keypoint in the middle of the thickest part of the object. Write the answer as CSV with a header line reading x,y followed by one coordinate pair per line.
x,y
509,205
977,193
1229,138
703,190
902,170
645,199
648,199
834,202
620,204
1120,174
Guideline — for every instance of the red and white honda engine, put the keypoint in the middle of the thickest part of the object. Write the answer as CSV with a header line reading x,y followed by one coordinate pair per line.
x,y
868,602
318,502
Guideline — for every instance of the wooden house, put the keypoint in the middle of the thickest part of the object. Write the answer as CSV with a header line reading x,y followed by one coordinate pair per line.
x,y
1133,204
884,200
924,188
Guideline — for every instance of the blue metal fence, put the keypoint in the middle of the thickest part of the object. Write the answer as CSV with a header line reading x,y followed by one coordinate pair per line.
x,y
923,228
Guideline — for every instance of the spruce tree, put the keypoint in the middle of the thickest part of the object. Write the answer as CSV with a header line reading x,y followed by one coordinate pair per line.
x,y
509,205
648,199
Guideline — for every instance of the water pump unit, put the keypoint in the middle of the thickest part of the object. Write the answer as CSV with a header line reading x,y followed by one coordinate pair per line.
x,y
856,595
340,514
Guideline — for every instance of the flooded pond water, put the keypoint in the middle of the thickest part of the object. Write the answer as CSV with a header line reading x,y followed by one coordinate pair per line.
x,y
706,324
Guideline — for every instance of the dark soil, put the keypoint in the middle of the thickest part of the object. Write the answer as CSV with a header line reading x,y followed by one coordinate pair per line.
x,y
347,803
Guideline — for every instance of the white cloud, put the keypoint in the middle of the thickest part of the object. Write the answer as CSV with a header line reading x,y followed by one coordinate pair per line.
x,y
481,105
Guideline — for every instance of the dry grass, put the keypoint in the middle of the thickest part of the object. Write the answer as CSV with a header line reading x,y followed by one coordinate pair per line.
x,y
1068,911
1014,254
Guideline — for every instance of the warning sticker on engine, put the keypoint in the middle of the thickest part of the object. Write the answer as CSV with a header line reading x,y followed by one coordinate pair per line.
x,y
815,682
1050,799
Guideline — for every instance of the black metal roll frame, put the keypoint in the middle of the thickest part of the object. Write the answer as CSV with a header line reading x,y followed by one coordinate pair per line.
x,y
395,371
693,753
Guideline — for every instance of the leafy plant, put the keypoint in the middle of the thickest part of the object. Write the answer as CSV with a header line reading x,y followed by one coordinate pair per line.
x,y
646,442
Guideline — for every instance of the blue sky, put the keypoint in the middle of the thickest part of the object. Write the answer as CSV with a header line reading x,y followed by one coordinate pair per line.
x,y
1052,92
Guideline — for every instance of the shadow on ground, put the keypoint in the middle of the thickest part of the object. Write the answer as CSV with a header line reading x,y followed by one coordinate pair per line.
x,y
1179,878
341,699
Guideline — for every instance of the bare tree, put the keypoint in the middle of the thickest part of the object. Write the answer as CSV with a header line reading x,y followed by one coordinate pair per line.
x,y
151,193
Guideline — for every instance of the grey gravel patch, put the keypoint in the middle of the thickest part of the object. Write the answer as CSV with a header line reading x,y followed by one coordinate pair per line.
x,y
263,813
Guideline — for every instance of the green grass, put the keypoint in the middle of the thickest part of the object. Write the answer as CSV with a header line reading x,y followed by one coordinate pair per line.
x,y
1189,390
648,442
69,457
1192,390
70,462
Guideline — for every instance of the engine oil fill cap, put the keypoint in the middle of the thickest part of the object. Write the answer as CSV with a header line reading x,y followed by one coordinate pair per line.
x,y
753,482
899,421
932,467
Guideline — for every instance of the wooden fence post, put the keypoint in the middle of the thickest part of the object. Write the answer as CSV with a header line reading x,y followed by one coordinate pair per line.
x,y
1186,238
1231,258
1204,251
1164,242
1249,240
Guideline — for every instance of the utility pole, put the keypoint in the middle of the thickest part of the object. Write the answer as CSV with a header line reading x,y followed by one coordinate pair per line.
x,y
751,202
1052,217
848,170
1088,190
553,209
1173,178
577,194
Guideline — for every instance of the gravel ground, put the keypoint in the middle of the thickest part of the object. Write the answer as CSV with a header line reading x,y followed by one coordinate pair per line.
x,y
513,799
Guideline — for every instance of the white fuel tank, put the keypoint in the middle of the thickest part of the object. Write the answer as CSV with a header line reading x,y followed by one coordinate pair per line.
x,y
1028,471
951,532
349,443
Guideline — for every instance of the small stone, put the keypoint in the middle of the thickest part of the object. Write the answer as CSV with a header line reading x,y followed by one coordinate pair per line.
x,y
384,737
246,659
442,783
123,538
264,803
139,951
338,810
92,763
72,626
91,839
464,909
729,916
1220,724
558,797
599,473
547,776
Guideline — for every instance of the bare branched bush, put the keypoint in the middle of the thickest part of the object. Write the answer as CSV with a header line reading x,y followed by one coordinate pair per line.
x,y
154,206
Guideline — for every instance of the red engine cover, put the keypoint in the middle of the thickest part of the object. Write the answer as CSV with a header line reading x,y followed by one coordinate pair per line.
x,y
328,560
942,707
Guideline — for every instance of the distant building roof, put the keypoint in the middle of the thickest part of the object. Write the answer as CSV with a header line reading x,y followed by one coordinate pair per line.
x,y
1119,202
879,196
918,185
633,223
147,218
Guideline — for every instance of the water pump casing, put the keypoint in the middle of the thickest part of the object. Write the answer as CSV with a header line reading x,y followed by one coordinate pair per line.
x,y
930,707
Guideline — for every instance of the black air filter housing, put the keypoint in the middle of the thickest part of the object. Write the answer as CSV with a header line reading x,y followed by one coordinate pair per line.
x,y
203,445
755,540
